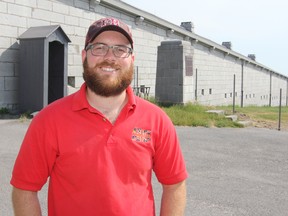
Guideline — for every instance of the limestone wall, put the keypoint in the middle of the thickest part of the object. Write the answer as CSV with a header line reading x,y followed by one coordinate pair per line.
x,y
215,65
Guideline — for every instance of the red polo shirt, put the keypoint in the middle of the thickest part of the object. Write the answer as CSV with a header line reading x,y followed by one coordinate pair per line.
x,y
97,168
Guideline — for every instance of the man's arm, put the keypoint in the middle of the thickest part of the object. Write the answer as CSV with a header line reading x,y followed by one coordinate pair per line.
x,y
173,199
25,203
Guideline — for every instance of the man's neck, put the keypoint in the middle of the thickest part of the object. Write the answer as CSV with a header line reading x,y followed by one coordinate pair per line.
x,y
110,107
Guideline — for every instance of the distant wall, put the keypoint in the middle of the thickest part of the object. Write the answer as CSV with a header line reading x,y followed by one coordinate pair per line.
x,y
253,85
216,78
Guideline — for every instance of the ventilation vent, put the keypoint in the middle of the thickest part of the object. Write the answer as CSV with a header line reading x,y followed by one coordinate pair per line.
x,y
252,56
188,26
228,45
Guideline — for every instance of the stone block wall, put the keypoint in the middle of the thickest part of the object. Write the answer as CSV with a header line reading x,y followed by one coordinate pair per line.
x,y
215,67
74,17
215,80
147,38
173,84
215,76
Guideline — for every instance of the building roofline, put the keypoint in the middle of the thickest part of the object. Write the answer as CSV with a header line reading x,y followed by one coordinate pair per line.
x,y
131,10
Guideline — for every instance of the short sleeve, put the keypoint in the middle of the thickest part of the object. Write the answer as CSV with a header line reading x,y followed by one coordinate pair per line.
x,y
169,164
36,157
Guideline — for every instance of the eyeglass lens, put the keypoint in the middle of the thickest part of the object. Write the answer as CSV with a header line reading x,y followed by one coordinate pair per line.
x,y
102,49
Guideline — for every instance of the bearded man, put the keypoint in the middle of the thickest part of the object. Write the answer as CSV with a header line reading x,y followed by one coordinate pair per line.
x,y
99,146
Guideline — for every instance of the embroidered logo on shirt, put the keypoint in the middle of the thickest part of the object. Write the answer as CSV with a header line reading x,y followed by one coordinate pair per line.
x,y
141,135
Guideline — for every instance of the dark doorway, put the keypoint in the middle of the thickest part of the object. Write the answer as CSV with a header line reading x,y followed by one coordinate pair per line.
x,y
55,71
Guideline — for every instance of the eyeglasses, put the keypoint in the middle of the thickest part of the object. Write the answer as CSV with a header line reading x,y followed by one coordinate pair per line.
x,y
119,51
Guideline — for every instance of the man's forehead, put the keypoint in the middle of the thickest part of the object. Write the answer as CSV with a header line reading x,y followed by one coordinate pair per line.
x,y
111,36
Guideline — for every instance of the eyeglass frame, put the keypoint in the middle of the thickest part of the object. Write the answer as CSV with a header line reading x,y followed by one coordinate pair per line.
x,y
91,46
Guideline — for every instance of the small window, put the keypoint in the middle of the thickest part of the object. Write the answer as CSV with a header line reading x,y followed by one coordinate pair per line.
x,y
202,91
71,81
210,91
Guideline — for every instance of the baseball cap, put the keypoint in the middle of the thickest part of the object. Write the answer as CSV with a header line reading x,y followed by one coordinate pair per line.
x,y
108,24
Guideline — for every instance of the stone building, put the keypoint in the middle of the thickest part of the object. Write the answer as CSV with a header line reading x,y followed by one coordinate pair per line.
x,y
173,63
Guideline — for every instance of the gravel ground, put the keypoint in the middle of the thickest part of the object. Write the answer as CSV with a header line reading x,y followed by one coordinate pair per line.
x,y
232,172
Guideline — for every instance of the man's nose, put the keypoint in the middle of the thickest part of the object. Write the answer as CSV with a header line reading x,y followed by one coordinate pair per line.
x,y
110,53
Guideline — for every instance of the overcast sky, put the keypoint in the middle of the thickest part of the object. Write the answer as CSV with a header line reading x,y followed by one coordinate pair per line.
x,y
257,27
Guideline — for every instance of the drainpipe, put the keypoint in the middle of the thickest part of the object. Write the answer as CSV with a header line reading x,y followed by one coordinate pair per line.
x,y
242,82
287,93
196,83
270,91
234,83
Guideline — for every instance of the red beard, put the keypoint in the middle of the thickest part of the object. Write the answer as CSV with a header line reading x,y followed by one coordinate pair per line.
x,y
102,85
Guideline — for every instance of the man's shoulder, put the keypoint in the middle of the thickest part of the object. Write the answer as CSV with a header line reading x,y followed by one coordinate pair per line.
x,y
145,104
62,103
58,107
148,108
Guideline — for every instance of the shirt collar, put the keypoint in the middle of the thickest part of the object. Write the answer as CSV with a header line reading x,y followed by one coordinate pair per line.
x,y
80,101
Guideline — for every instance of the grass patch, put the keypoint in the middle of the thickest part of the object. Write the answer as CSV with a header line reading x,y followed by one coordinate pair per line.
x,y
196,115
264,113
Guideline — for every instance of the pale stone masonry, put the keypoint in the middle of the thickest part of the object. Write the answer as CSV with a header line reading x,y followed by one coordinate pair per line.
x,y
211,70
174,82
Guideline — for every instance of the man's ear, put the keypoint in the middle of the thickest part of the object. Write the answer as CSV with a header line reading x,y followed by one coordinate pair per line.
x,y
84,54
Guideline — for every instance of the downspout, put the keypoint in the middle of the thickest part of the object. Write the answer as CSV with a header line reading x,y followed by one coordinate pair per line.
x,y
287,93
270,91
242,82
196,83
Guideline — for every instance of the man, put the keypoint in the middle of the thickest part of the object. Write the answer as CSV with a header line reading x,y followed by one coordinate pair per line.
x,y
98,147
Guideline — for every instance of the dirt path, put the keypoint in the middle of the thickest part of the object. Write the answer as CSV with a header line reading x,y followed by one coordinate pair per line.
x,y
273,125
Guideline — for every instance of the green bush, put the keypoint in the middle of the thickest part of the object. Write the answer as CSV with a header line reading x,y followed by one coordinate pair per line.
x,y
4,110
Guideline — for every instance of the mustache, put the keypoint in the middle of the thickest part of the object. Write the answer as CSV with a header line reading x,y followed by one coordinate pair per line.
x,y
108,64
